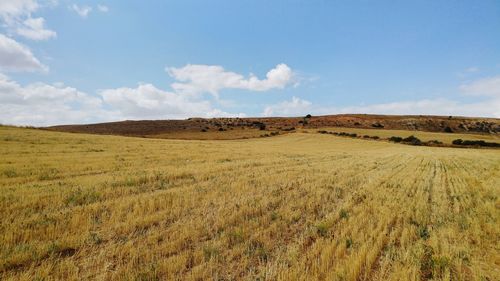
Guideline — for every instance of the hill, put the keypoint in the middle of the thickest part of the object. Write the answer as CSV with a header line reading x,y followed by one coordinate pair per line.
x,y
193,128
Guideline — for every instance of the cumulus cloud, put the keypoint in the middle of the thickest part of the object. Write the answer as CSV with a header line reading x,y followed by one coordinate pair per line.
x,y
195,79
16,17
147,101
294,107
33,28
82,11
43,104
15,57
486,92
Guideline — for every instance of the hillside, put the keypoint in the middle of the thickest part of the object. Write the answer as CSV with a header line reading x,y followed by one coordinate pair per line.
x,y
191,127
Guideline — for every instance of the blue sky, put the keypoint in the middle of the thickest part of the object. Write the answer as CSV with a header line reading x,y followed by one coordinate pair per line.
x,y
91,61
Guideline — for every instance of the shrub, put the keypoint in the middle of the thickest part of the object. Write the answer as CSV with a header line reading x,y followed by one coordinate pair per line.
x,y
366,136
377,125
412,140
203,130
308,116
322,132
434,142
448,130
375,137
353,135
457,142
395,139
344,214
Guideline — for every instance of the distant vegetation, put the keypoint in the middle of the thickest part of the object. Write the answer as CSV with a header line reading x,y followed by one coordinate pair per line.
x,y
413,140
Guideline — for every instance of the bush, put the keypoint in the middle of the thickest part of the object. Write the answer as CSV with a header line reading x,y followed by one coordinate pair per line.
x,y
377,125
308,116
375,137
457,142
203,130
395,139
353,135
448,130
434,142
412,140
322,132
366,136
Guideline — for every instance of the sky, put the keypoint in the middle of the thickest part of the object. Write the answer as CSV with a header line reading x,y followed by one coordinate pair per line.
x,y
73,62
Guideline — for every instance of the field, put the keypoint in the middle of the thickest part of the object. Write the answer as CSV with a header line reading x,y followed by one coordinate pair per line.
x,y
446,138
299,206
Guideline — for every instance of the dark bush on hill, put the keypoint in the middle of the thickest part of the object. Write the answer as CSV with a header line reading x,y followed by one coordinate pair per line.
x,y
457,142
412,140
375,137
322,132
395,139
434,142
448,130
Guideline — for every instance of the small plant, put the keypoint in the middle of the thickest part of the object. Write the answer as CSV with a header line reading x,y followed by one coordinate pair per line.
x,y
448,130
348,243
457,142
343,214
322,229
210,252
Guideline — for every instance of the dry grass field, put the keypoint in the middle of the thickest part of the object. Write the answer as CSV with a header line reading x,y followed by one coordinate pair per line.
x,y
446,138
290,207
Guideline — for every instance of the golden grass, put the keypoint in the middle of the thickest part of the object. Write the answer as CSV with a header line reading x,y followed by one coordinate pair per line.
x,y
291,207
446,138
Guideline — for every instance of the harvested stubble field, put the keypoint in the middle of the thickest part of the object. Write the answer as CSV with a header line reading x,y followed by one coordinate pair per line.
x,y
291,207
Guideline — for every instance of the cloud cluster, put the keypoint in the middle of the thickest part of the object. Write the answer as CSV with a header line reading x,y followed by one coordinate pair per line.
x,y
196,79
486,92
16,17
15,57
85,10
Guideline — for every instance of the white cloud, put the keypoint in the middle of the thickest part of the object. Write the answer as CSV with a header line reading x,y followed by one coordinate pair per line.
x,y
489,106
16,17
147,101
15,57
34,29
43,104
102,8
196,79
294,107
82,11
483,87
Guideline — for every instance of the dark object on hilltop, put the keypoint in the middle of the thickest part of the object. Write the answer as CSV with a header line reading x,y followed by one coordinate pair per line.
x,y
475,143
377,125
308,116
395,139
412,140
